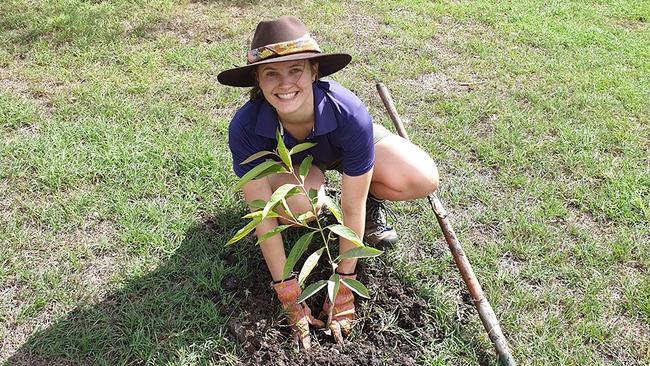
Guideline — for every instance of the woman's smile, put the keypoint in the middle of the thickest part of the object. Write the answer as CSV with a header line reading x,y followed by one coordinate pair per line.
x,y
286,96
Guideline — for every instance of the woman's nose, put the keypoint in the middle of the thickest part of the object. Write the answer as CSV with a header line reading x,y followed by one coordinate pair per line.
x,y
289,78
286,79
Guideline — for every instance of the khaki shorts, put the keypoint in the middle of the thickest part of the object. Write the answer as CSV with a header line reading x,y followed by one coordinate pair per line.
x,y
378,133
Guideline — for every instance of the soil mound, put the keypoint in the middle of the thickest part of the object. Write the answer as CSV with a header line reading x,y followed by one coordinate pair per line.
x,y
390,327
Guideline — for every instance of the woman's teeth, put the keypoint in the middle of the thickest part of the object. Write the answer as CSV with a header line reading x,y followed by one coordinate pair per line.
x,y
287,96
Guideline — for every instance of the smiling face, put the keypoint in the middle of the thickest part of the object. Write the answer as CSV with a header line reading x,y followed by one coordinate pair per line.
x,y
288,87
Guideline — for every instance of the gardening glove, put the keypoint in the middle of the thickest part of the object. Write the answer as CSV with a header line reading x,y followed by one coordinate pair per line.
x,y
298,315
340,320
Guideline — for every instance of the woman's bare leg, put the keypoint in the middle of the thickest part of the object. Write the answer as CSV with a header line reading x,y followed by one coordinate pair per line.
x,y
402,171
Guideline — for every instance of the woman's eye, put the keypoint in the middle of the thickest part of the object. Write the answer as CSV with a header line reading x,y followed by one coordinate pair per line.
x,y
271,74
296,71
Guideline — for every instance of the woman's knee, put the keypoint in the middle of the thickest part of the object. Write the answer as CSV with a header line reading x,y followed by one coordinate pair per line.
x,y
299,205
418,174
430,180
422,182
424,177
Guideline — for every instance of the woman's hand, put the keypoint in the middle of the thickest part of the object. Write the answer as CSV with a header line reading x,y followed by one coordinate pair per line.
x,y
340,316
298,315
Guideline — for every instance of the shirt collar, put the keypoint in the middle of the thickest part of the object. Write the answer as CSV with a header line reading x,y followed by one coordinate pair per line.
x,y
324,117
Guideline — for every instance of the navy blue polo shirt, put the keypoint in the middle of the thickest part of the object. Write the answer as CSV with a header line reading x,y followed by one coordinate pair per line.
x,y
342,131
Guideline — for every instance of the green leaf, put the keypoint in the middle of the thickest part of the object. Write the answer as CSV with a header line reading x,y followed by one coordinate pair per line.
x,y
296,190
274,231
311,290
244,231
287,210
282,150
259,214
313,196
305,216
305,166
296,252
253,173
301,147
257,204
255,156
277,197
356,286
333,285
361,252
277,168
334,208
310,263
347,233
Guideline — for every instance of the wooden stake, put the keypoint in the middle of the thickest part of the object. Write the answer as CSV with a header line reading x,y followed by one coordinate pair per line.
x,y
485,312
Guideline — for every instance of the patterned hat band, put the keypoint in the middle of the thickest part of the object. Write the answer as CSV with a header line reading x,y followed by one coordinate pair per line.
x,y
302,44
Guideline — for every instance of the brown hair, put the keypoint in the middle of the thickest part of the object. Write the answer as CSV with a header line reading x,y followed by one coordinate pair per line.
x,y
256,93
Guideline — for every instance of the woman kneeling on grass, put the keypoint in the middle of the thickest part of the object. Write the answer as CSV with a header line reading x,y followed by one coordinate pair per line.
x,y
284,67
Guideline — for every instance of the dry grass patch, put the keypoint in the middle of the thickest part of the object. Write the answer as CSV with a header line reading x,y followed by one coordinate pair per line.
x,y
38,89
189,24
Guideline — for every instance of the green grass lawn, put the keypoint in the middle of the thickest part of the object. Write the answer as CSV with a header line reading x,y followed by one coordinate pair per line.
x,y
116,185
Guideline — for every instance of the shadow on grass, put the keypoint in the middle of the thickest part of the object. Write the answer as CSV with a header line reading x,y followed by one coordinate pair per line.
x,y
173,315
208,304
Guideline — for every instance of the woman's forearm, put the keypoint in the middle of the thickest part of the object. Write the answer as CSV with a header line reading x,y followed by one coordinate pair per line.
x,y
355,221
273,247
354,191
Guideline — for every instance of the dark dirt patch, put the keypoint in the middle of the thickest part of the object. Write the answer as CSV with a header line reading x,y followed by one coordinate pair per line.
x,y
390,327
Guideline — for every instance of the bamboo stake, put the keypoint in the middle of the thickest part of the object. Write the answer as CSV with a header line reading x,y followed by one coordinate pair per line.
x,y
485,312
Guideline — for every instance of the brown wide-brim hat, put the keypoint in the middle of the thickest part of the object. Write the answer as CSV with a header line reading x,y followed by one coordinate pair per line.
x,y
284,39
